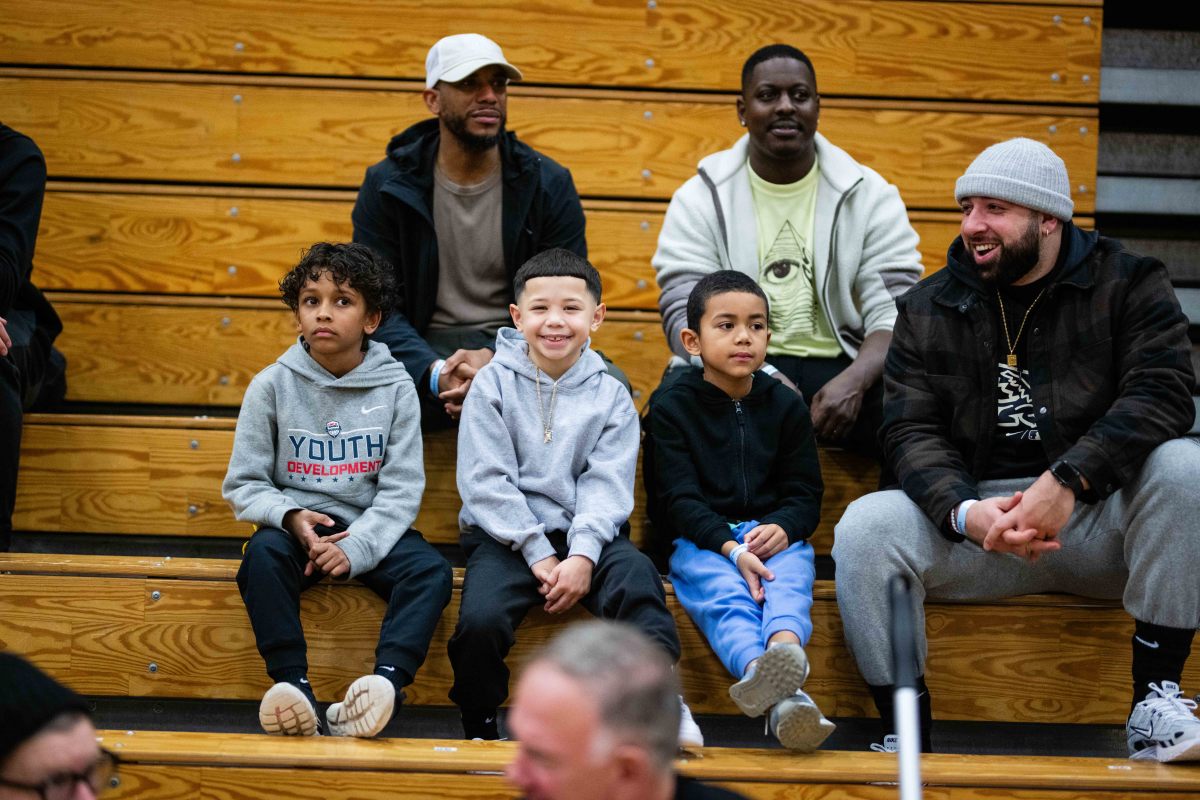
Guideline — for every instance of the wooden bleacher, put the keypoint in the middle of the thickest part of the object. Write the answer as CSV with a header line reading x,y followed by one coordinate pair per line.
x,y
193,153
246,767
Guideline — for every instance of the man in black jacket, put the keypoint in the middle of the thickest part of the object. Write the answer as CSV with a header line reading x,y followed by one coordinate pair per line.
x,y
457,206
31,370
1036,389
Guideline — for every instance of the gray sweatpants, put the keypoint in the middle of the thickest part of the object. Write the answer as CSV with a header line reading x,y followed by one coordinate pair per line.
x,y
1141,544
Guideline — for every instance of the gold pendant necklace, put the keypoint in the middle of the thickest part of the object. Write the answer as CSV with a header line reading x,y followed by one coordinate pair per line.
x,y
547,418
1012,343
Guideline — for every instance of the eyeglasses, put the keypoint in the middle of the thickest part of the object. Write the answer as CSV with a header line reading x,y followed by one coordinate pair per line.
x,y
100,776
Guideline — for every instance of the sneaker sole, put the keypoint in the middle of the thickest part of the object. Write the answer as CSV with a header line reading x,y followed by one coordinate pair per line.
x,y
285,711
780,671
1183,751
803,728
366,710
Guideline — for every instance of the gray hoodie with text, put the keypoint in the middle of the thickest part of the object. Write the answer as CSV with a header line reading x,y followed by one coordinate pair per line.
x,y
515,485
349,447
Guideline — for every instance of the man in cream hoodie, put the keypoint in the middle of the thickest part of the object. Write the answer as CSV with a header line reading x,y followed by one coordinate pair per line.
x,y
327,463
547,450
827,238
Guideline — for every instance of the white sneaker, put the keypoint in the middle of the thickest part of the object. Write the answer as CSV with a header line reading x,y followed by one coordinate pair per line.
x,y
778,674
287,711
891,744
689,732
1162,727
798,724
366,709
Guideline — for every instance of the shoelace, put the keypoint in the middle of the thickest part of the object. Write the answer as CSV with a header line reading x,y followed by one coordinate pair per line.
x,y
1174,705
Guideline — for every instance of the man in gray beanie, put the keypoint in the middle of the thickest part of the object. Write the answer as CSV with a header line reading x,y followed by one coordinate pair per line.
x,y
47,742
1035,392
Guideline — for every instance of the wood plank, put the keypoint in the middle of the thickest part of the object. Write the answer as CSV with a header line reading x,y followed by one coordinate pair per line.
x,y
131,479
1060,659
756,773
645,147
146,242
855,45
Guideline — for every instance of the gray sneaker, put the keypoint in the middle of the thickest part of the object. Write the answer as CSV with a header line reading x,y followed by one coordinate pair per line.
x,y
798,724
366,710
285,710
1162,727
779,673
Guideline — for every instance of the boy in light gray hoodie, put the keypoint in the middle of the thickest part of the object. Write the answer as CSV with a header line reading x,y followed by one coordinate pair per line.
x,y
547,450
327,463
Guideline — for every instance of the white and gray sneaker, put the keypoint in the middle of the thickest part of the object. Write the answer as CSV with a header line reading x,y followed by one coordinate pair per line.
x,y
776,675
1162,727
798,724
689,732
891,744
285,710
366,709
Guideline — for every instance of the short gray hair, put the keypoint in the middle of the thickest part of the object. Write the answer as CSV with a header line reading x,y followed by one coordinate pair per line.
x,y
631,678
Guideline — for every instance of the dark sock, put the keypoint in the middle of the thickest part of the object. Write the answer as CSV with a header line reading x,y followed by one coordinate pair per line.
x,y
885,702
399,679
1159,654
298,677
480,724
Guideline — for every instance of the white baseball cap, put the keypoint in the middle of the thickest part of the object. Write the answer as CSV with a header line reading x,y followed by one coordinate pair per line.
x,y
455,57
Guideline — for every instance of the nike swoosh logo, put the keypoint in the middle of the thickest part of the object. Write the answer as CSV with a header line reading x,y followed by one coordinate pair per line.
x,y
369,410
1151,645
1147,732
389,669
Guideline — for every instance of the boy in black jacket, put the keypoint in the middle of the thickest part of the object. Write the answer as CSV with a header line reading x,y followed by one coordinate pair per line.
x,y
739,488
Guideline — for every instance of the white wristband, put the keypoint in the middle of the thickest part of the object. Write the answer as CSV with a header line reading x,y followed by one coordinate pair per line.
x,y
960,517
737,551
435,372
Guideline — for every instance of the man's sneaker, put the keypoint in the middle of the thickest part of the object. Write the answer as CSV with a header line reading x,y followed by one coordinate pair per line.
x,y
286,710
778,674
798,724
891,744
480,726
1162,727
689,732
366,709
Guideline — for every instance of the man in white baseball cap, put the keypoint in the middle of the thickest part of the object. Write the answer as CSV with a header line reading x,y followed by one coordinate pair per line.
x,y
458,204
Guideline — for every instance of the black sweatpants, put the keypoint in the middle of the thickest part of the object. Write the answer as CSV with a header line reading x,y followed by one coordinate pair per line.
x,y
414,580
499,589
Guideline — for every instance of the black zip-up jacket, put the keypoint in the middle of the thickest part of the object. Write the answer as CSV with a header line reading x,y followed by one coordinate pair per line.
x,y
717,460
1109,365
394,216
22,187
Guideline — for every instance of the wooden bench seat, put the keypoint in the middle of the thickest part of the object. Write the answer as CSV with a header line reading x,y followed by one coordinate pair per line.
x,y
184,240
318,133
986,50
118,475
117,626
160,765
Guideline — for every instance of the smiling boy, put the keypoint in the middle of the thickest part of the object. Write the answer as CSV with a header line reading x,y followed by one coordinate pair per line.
x,y
327,463
547,450
739,489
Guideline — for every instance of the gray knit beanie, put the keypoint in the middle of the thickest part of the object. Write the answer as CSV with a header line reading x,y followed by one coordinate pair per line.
x,y
1020,171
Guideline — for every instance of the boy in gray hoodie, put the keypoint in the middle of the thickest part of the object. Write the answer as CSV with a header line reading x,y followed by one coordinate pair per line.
x,y
327,463
547,450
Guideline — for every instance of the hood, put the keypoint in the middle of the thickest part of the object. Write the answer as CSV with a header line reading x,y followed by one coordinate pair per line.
x,y
1077,244
693,380
377,369
512,352
837,167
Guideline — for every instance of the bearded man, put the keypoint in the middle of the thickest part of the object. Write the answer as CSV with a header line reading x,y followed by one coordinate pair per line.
x,y
1036,391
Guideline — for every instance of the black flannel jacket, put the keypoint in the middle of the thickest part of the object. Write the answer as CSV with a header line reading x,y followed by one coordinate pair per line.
x,y
1109,371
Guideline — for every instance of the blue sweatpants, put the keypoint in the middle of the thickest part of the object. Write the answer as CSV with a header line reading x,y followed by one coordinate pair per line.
x,y
715,596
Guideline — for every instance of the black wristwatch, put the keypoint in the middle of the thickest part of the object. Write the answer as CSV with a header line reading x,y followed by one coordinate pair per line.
x,y
1065,473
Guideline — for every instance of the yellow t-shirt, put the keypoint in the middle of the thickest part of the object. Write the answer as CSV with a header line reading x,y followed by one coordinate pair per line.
x,y
786,215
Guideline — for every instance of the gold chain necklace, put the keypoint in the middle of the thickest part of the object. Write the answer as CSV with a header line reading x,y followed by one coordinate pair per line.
x,y
1012,343
547,418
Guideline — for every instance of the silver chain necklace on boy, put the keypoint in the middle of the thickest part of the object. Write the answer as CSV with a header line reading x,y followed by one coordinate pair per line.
x,y
547,418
